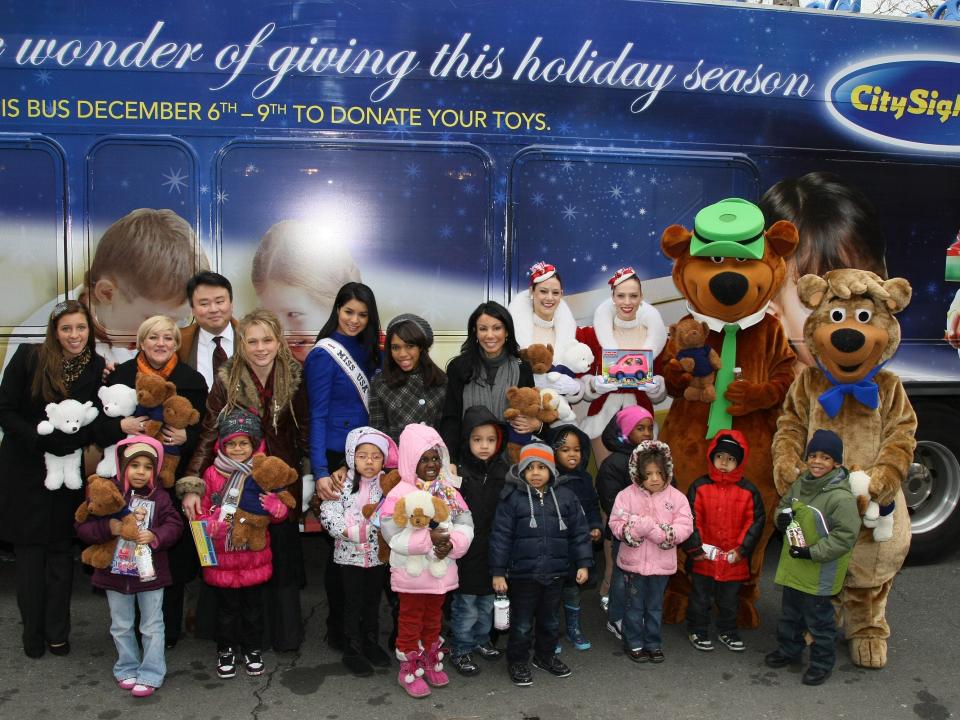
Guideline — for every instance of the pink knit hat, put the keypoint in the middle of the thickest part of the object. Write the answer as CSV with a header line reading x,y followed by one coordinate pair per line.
x,y
630,417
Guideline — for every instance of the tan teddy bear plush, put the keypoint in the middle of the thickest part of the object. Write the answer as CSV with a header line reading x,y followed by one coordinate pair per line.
x,y
250,520
179,414
105,499
539,356
697,358
529,402
388,481
852,332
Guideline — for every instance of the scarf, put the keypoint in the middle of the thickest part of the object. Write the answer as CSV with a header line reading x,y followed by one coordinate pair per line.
x,y
148,369
864,391
264,390
503,371
74,367
237,472
440,489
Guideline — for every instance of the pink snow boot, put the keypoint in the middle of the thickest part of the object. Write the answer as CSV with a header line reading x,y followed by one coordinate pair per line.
x,y
411,674
433,665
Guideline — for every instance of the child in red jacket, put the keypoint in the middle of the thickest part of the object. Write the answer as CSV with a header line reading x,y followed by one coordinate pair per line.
x,y
240,573
728,520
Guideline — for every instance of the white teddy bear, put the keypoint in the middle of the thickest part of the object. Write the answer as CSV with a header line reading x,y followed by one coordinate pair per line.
x,y
555,401
882,524
67,416
118,401
576,358
413,512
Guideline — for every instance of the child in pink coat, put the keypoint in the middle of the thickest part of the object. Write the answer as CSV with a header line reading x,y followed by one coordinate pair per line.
x,y
240,573
650,517
424,465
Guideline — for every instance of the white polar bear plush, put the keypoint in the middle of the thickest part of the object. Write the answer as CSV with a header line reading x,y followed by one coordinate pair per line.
x,y
882,524
555,401
67,416
413,512
118,401
574,359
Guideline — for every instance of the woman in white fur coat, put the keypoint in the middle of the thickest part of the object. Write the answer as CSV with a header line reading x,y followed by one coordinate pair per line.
x,y
624,321
540,315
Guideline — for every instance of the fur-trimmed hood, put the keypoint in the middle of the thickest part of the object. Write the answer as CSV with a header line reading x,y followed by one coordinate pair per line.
x,y
247,395
521,310
649,318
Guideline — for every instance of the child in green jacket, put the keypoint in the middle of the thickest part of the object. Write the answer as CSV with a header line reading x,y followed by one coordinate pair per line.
x,y
814,562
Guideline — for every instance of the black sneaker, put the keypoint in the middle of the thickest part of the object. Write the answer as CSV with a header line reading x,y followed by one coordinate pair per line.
x,y
354,661
553,665
815,676
226,663
638,655
777,659
487,651
616,628
700,642
465,665
731,641
657,656
520,674
377,656
253,663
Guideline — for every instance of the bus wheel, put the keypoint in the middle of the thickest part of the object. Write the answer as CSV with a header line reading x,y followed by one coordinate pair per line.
x,y
932,488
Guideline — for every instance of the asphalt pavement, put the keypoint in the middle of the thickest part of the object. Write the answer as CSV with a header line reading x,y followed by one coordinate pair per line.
x,y
920,680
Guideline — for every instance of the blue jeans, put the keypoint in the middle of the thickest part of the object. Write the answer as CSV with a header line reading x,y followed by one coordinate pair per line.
x,y
618,587
153,667
471,617
801,611
644,611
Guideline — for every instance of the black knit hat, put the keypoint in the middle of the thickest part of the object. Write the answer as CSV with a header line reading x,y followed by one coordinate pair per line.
x,y
241,422
827,442
728,445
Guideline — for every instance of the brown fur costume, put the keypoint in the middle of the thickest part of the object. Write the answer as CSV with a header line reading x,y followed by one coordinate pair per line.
x,y
766,361
854,309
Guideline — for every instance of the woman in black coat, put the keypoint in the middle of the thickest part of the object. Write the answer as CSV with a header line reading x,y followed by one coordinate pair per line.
x,y
38,521
158,340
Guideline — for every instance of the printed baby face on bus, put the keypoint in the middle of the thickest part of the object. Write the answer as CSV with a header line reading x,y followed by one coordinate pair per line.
x,y
120,310
299,314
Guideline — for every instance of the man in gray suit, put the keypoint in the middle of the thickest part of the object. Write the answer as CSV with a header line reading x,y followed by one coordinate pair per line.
x,y
209,339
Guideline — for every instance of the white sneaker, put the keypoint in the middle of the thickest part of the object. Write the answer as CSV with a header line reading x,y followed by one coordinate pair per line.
x,y
616,628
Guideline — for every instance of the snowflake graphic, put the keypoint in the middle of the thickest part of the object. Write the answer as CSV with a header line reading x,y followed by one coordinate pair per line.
x,y
570,213
124,183
250,169
43,77
653,180
603,268
412,171
537,199
462,211
445,232
563,128
631,172
566,166
175,180
469,188
614,245
204,189
615,192
222,197
642,211
400,130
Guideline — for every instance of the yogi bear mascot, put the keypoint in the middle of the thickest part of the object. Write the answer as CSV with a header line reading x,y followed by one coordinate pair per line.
x,y
851,333
728,269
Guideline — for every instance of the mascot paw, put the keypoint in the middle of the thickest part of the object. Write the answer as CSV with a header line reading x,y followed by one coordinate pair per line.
x,y
674,607
883,530
868,652
747,616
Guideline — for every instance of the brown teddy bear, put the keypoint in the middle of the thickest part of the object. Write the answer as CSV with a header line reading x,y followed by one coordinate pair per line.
x,y
852,332
728,270
388,481
157,398
250,520
179,414
697,358
105,499
529,402
539,356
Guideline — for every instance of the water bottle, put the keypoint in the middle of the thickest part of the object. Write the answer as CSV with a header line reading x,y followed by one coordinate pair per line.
x,y
230,503
144,559
501,612
794,534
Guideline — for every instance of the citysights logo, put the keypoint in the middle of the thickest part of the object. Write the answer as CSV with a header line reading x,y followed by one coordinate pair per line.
x,y
912,101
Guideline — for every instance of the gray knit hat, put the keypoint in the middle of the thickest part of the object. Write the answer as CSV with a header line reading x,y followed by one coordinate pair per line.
x,y
416,320
536,452
241,422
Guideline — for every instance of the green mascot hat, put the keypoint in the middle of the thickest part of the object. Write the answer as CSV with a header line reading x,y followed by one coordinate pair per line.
x,y
729,228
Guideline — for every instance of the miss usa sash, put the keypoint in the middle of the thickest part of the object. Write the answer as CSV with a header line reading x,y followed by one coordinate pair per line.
x,y
349,366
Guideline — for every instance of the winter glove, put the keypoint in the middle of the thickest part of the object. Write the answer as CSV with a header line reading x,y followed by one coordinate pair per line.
x,y
273,505
800,552
601,388
784,518
656,389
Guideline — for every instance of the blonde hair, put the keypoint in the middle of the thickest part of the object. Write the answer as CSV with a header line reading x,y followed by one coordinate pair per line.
x,y
153,251
155,323
282,376
291,253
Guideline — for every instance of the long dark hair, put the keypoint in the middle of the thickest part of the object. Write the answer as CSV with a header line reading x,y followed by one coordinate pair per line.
x,y
839,227
409,332
370,336
471,346
48,377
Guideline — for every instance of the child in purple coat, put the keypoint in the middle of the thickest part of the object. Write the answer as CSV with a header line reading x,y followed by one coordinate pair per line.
x,y
138,462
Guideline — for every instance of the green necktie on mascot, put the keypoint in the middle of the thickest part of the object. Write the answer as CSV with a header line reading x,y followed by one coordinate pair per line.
x,y
852,332
728,269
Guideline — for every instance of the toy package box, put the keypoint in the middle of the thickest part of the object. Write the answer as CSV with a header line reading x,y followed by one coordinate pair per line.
x,y
626,368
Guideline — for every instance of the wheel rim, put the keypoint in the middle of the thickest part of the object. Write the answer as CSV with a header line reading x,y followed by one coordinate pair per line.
x,y
932,489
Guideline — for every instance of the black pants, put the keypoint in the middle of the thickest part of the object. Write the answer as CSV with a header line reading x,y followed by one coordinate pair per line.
x,y
361,616
44,583
704,593
801,611
239,618
332,577
534,604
